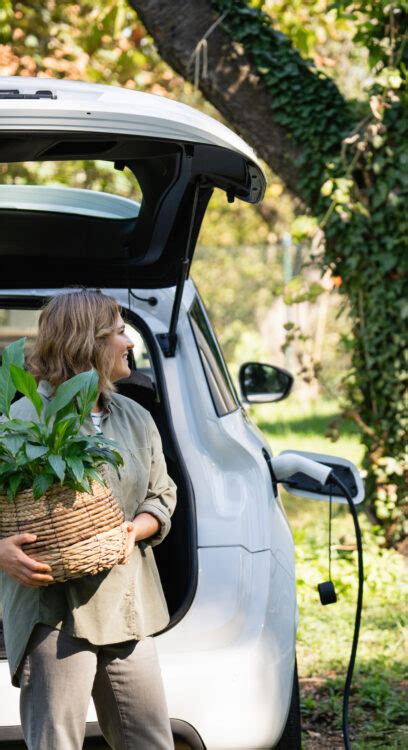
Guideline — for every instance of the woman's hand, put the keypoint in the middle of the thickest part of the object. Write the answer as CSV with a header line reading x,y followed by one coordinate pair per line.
x,y
142,526
130,542
20,566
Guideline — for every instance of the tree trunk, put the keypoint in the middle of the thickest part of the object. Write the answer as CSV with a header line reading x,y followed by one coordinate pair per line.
x,y
231,85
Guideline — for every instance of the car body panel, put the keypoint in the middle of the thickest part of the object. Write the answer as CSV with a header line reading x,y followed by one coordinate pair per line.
x,y
87,108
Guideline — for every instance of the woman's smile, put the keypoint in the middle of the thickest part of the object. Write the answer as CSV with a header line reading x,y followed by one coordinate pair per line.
x,y
117,341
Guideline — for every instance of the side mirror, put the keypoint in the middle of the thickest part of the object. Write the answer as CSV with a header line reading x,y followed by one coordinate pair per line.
x,y
262,383
308,475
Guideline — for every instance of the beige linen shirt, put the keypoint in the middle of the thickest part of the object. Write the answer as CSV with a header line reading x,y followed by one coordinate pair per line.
x,y
126,602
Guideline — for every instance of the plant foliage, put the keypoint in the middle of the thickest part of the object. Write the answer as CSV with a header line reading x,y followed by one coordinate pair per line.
x,y
356,185
40,454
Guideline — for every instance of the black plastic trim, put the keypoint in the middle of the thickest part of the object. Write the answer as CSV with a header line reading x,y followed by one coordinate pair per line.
x,y
15,94
234,396
155,353
285,393
184,731
15,733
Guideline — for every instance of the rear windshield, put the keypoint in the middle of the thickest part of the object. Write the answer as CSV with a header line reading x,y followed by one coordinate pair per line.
x,y
97,175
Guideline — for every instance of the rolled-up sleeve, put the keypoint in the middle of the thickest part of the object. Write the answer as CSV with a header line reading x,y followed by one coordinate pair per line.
x,y
160,498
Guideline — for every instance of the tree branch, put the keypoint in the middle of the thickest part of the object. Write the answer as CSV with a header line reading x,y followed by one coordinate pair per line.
x,y
232,84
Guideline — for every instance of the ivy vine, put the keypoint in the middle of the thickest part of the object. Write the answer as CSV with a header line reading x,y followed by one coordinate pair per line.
x,y
355,184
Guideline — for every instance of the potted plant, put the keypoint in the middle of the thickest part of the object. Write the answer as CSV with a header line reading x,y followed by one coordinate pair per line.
x,y
53,478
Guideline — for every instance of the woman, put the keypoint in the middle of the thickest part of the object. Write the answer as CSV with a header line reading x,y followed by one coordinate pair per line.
x,y
68,641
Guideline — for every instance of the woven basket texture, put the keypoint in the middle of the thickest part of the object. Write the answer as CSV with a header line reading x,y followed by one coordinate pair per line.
x,y
78,533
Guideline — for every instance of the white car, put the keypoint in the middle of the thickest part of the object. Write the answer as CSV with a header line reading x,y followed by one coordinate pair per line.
x,y
227,567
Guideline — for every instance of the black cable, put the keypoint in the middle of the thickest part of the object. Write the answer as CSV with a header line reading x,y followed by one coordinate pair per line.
x,y
330,531
150,300
347,684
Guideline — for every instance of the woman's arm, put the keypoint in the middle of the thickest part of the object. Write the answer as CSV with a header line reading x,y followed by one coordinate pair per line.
x,y
160,500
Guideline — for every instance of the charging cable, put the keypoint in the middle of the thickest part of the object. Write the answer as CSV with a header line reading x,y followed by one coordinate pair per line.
x,y
282,468
359,606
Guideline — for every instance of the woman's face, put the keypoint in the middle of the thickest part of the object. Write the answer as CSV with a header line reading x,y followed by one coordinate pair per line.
x,y
119,344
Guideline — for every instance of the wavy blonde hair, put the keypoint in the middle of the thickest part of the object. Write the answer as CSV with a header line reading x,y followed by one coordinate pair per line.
x,y
73,332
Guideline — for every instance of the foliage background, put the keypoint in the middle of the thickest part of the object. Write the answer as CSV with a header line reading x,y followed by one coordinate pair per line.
x,y
262,274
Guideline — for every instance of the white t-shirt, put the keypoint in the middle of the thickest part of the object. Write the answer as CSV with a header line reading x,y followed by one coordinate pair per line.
x,y
97,419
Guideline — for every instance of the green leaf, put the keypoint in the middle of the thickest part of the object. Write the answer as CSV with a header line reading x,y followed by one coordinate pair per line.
x,y
76,466
58,465
35,451
12,354
84,485
25,383
18,425
91,473
7,391
67,391
41,484
12,443
63,428
14,484
109,455
87,395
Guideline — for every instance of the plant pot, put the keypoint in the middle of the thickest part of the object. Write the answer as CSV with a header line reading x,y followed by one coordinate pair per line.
x,y
78,533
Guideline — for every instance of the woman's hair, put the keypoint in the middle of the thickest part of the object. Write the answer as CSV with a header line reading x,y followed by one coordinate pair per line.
x,y
72,338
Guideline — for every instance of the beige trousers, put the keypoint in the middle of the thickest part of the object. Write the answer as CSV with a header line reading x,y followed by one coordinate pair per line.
x,y
59,674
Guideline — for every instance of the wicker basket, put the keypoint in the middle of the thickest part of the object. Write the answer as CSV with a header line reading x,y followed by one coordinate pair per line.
x,y
77,533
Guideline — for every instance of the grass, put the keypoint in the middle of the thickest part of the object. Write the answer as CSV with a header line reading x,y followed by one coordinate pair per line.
x,y
302,426
378,704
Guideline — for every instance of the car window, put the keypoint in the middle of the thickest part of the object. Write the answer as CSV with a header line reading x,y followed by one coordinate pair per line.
x,y
219,382
14,324
91,175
